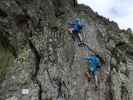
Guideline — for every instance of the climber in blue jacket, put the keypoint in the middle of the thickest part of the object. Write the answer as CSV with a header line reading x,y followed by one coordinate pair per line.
x,y
75,28
95,63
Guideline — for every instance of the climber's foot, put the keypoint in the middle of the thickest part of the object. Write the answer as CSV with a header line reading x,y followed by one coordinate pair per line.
x,y
81,44
96,87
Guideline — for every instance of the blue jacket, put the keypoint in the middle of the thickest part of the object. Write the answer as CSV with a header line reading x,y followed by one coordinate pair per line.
x,y
94,61
77,25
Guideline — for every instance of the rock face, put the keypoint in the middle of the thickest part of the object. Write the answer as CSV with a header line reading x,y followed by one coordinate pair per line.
x,y
40,61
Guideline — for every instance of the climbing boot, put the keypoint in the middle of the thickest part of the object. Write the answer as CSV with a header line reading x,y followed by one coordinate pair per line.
x,y
81,44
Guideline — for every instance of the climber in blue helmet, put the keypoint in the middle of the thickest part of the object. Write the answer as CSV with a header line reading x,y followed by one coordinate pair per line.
x,y
94,65
75,28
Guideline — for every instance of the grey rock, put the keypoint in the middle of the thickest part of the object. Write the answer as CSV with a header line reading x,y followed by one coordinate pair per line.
x,y
40,56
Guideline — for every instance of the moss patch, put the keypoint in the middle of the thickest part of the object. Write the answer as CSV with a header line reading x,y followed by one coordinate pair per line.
x,y
23,56
6,59
86,17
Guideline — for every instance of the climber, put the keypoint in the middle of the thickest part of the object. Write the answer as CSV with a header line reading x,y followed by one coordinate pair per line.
x,y
95,62
75,28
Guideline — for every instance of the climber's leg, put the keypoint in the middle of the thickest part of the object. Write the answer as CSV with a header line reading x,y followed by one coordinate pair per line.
x,y
73,37
77,35
87,76
96,73
89,73
80,37
96,81
71,31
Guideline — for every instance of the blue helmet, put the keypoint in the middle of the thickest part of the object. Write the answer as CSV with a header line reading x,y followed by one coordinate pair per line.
x,y
78,20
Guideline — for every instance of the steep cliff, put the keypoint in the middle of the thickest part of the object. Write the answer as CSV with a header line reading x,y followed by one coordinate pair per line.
x,y
40,61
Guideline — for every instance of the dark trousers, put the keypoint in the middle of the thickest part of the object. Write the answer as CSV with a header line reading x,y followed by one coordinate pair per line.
x,y
75,36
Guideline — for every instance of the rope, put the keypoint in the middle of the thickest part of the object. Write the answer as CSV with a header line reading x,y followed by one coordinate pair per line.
x,y
88,48
110,62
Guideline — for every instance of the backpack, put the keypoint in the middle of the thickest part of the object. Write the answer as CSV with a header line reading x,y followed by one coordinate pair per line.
x,y
100,58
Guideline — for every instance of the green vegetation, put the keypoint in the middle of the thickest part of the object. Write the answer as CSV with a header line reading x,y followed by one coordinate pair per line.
x,y
6,59
86,17
64,19
23,56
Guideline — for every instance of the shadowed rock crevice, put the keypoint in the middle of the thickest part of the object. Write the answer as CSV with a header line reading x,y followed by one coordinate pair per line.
x,y
124,92
3,14
37,68
109,93
5,43
22,20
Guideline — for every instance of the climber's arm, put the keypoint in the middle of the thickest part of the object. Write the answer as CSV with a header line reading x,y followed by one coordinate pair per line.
x,y
84,60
